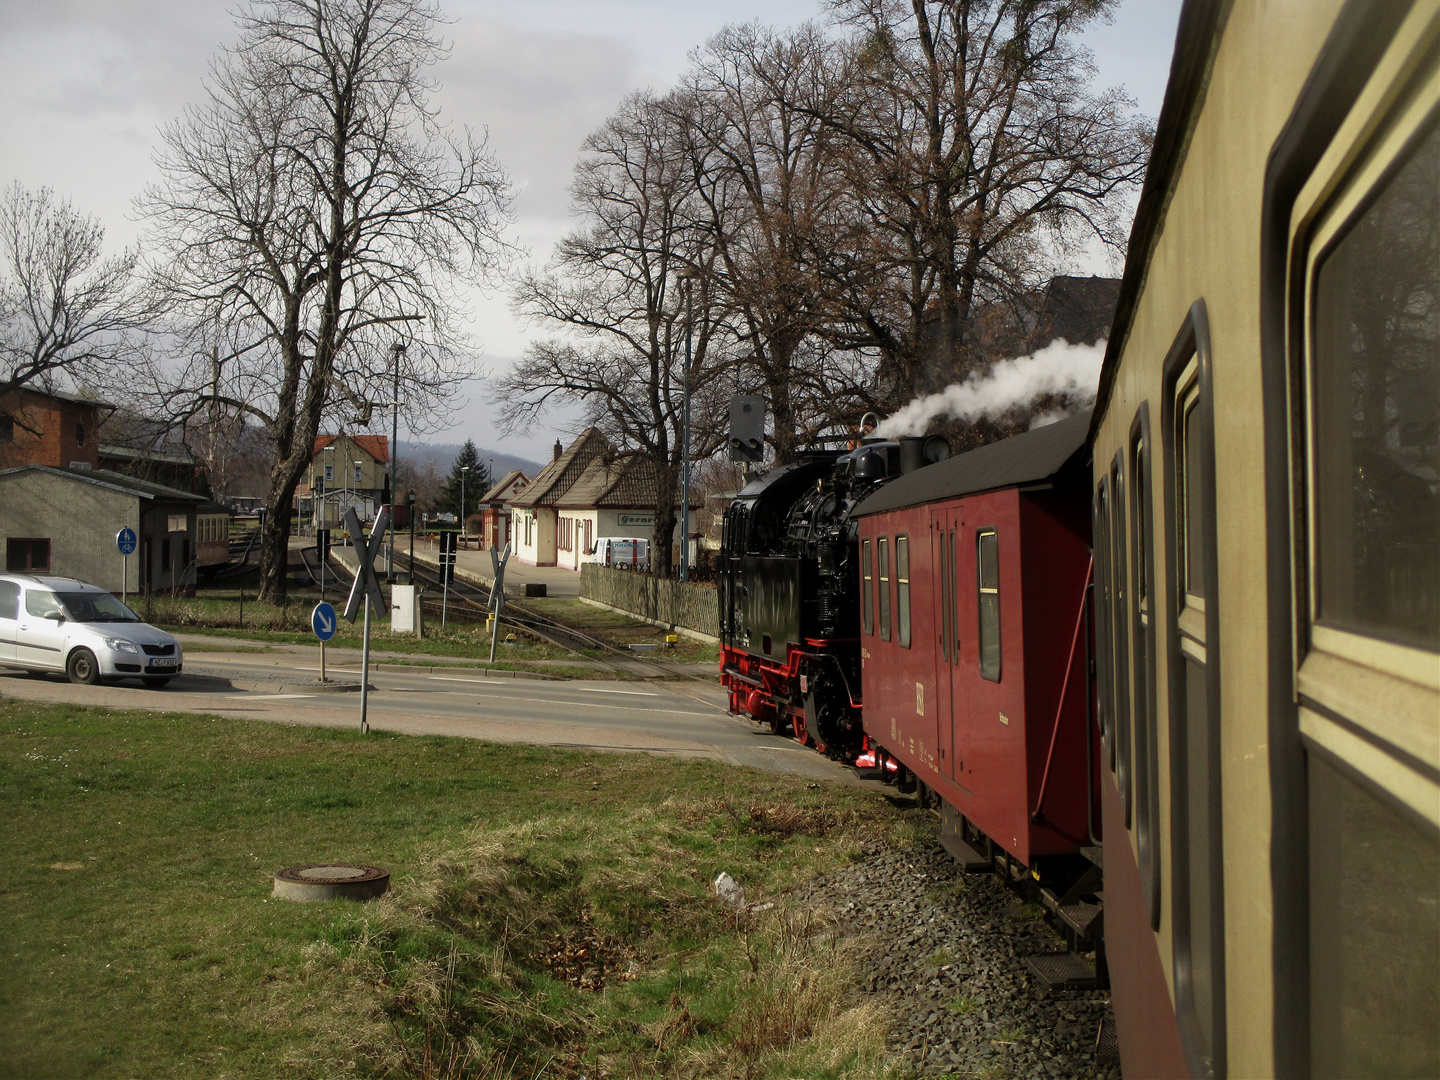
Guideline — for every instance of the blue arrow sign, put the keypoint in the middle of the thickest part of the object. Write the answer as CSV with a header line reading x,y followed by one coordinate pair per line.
x,y
323,621
125,541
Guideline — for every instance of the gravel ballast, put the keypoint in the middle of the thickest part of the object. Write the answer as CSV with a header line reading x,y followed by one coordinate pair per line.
x,y
945,955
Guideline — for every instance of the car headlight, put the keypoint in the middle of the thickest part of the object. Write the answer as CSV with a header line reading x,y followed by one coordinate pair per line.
x,y
120,645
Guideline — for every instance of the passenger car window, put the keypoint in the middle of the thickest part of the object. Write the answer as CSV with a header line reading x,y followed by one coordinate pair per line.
x,y
40,604
9,600
867,586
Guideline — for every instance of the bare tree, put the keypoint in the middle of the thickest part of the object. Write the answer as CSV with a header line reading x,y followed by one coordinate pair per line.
x,y
978,159
755,109
315,214
616,285
65,307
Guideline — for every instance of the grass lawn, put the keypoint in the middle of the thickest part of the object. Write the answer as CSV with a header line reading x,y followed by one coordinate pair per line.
x,y
550,913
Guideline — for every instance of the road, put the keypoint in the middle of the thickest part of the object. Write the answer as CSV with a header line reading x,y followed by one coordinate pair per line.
x,y
681,718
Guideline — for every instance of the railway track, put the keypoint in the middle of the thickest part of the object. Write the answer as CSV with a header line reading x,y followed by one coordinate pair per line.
x,y
470,602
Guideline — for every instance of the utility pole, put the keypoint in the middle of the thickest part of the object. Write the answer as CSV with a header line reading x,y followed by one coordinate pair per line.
x,y
464,470
689,280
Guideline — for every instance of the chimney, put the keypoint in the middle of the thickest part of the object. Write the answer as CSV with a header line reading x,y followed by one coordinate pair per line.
x,y
558,449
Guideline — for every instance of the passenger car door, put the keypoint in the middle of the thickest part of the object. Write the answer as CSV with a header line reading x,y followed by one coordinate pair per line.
x,y
40,642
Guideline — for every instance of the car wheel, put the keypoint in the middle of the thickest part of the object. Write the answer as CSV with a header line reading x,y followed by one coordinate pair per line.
x,y
155,682
82,667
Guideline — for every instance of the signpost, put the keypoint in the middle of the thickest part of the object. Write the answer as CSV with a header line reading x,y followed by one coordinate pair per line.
x,y
324,623
365,592
497,594
125,542
448,544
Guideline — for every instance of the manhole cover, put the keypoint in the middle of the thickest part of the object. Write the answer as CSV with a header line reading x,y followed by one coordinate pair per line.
x,y
330,881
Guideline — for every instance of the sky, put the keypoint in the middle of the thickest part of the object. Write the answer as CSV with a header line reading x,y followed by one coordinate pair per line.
x,y
85,86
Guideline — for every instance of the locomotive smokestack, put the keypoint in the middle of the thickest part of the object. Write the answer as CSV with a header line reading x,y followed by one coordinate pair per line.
x,y
912,453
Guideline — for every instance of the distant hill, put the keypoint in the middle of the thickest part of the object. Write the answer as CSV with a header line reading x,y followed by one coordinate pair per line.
x,y
444,454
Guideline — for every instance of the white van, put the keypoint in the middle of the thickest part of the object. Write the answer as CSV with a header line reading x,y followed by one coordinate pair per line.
x,y
622,552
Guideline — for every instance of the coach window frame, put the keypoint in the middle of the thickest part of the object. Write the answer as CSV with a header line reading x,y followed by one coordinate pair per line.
x,y
1192,637
1366,703
1100,515
1141,614
1120,633
882,576
982,591
902,590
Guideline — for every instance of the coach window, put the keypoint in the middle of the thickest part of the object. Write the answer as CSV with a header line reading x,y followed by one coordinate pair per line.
x,y
987,571
882,557
867,589
1142,591
1120,638
1367,235
1191,633
902,590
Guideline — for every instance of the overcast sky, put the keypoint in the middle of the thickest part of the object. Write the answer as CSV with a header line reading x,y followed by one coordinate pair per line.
x,y
86,84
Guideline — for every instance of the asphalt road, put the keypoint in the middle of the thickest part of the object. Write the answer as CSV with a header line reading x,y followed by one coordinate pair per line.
x,y
682,718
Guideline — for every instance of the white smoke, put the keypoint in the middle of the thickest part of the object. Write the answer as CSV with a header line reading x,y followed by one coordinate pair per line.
x,y
1058,368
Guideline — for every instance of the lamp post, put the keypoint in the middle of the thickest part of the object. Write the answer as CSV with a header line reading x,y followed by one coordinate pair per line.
x,y
463,470
689,280
399,351
329,464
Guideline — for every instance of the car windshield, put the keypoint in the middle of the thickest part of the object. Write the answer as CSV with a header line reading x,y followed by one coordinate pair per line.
x,y
96,607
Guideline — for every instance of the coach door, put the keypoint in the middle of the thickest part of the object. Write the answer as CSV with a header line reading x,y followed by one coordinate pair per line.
x,y
946,529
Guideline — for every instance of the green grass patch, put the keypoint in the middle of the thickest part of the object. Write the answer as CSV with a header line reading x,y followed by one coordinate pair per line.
x,y
550,914
620,630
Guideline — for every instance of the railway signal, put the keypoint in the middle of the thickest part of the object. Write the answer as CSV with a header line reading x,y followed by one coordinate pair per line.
x,y
365,591
448,543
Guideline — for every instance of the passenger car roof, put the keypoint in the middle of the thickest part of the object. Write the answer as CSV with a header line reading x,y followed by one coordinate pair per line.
x,y
1030,458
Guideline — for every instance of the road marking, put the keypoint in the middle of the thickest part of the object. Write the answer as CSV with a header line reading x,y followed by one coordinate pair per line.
x,y
456,678
268,697
599,690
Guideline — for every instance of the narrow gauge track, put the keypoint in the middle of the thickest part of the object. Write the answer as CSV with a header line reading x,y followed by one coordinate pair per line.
x,y
471,602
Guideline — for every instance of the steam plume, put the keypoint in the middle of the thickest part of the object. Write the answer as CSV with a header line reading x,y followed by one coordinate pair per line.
x,y
1058,368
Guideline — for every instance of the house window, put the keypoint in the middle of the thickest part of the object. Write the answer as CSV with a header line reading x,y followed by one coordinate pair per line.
x,y
358,477
987,573
329,474
882,556
79,434
26,555
565,540
7,429
902,589
867,586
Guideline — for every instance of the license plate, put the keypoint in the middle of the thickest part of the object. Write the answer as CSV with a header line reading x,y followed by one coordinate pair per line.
x,y
164,661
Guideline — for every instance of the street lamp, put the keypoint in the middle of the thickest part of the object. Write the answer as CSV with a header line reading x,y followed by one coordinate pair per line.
x,y
463,470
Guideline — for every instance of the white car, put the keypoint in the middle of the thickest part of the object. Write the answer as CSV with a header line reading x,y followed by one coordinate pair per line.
x,y
57,624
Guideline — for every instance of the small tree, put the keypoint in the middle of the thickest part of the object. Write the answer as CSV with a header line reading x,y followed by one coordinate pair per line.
x,y
64,305
471,484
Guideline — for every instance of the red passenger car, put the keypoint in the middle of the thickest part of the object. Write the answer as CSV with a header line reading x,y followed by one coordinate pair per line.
x,y
975,577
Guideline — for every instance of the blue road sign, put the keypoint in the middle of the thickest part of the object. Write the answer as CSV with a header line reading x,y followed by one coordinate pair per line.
x,y
323,621
125,541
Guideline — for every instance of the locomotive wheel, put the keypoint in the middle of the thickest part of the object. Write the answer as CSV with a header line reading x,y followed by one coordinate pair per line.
x,y
777,723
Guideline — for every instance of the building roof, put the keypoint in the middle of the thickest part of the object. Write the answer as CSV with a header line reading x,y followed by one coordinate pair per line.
x,y
62,395
625,481
1029,458
507,482
553,481
178,456
127,485
377,446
